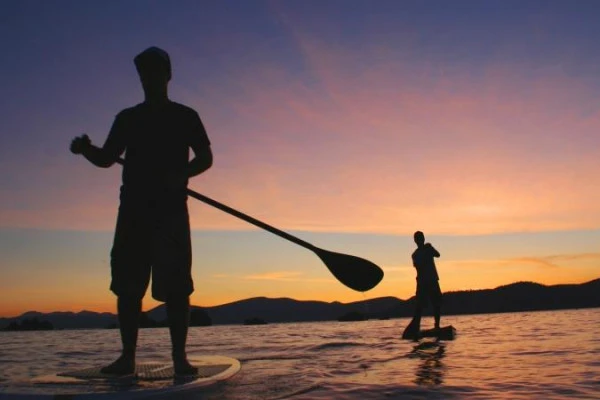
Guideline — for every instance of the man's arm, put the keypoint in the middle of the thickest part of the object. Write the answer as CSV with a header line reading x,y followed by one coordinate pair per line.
x,y
98,156
200,144
106,155
434,252
202,161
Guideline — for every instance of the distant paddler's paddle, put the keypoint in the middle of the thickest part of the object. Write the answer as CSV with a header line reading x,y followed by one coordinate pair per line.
x,y
355,272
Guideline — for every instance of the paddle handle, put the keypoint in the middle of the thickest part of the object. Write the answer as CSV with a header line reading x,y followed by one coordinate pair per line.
x,y
245,217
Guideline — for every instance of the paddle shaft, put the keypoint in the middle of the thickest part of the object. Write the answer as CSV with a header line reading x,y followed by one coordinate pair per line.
x,y
247,218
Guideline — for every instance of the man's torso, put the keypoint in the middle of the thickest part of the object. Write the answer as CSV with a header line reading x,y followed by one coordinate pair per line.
x,y
425,264
157,142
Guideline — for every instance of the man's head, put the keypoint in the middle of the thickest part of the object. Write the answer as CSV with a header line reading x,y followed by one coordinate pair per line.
x,y
419,238
154,68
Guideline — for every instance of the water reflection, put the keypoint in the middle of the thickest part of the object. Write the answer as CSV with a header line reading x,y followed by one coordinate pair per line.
x,y
430,370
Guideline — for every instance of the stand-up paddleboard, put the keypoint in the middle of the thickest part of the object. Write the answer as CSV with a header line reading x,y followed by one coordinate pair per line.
x,y
154,379
412,332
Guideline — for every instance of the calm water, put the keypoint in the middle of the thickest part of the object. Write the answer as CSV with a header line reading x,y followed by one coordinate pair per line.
x,y
538,355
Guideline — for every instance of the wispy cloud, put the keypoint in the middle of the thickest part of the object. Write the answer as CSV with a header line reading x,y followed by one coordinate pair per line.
x,y
396,143
280,276
396,268
221,276
574,257
376,137
275,276
550,261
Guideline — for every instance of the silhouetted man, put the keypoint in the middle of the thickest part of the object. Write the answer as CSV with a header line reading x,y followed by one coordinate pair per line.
x,y
428,287
152,235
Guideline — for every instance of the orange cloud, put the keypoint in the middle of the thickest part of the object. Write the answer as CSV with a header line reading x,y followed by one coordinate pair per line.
x,y
275,276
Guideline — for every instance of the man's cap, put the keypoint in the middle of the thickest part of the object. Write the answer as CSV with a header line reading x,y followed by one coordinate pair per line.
x,y
151,57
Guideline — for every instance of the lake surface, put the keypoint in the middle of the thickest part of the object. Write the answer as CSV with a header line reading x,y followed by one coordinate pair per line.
x,y
534,355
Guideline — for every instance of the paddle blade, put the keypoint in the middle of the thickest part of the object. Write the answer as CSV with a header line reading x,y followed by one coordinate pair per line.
x,y
355,272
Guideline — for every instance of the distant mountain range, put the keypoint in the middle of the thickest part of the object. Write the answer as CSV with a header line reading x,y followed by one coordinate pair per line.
x,y
520,296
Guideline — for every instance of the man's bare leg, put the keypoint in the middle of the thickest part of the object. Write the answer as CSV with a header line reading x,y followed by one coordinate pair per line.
x,y
437,316
178,312
129,309
413,328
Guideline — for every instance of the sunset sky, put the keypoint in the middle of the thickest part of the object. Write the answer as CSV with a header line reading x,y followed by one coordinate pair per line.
x,y
348,123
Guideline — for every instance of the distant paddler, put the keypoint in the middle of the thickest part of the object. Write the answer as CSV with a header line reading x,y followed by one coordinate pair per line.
x,y
428,287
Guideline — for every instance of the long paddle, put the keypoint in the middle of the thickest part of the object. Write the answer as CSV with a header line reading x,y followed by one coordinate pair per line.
x,y
355,272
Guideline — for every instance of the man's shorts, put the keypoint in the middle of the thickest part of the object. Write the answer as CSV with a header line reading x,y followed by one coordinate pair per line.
x,y
152,241
428,291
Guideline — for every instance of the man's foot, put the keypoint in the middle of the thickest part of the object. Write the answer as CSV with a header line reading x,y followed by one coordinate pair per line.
x,y
411,334
122,366
183,367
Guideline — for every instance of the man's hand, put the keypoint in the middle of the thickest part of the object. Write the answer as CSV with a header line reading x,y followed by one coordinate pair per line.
x,y
80,144
99,156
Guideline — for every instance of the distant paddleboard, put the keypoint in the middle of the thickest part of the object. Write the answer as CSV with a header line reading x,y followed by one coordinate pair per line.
x,y
151,380
444,333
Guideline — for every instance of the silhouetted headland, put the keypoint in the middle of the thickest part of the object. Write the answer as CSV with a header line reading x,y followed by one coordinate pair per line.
x,y
352,316
516,297
29,324
255,321
198,317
